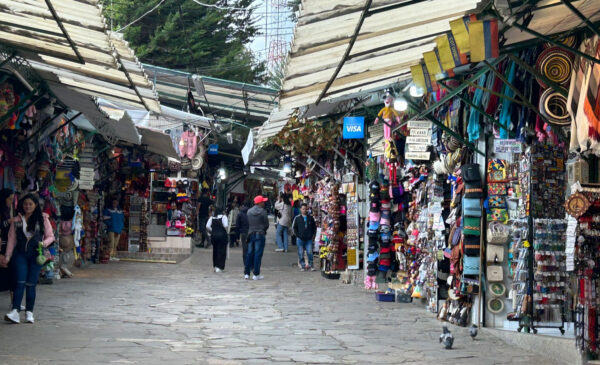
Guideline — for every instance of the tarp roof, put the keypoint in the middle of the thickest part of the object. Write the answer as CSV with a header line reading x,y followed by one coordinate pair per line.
x,y
228,99
277,120
69,38
158,142
392,38
549,17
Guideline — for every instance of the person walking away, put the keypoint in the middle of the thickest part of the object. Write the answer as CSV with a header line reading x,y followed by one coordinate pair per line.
x,y
217,227
305,229
241,224
232,218
284,221
115,220
7,278
30,229
258,224
203,215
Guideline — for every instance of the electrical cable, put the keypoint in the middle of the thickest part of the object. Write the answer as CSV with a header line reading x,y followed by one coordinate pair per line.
x,y
140,18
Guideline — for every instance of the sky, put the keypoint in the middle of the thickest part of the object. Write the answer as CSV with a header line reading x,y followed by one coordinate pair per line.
x,y
267,23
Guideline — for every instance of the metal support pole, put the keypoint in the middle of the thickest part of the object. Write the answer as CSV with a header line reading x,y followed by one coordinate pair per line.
x,y
527,102
587,22
477,108
556,43
8,59
557,87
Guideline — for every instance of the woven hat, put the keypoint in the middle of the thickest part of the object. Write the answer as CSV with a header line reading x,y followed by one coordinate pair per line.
x,y
553,106
197,162
556,64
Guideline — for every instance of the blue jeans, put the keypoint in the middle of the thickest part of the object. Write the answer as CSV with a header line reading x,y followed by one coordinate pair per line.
x,y
27,272
256,247
305,246
282,237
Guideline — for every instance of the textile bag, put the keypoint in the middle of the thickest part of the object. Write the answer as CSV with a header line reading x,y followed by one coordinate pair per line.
x,y
471,207
497,233
470,172
472,226
498,215
494,253
495,273
471,265
472,245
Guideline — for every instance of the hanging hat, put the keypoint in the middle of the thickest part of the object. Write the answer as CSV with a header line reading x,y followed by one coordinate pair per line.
x,y
553,106
197,162
556,64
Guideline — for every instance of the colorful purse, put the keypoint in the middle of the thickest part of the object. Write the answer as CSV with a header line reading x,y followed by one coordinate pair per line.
x,y
497,170
498,215
497,189
497,201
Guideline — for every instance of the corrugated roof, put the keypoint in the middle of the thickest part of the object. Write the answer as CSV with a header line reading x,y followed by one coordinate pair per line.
x,y
277,120
69,38
389,42
226,98
551,16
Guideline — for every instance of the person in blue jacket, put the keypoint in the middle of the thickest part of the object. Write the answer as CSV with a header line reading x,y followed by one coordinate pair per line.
x,y
115,220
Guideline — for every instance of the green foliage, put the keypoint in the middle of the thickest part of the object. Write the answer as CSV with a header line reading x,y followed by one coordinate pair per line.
x,y
183,35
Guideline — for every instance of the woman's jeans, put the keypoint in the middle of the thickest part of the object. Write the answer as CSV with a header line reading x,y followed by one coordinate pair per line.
x,y
305,246
27,272
282,237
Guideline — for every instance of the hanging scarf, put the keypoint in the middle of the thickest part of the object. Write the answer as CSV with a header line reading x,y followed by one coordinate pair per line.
x,y
506,104
473,127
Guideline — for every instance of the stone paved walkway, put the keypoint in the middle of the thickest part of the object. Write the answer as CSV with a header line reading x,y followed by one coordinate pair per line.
x,y
135,313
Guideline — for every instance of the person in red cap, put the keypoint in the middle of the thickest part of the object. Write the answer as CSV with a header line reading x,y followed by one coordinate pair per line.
x,y
258,224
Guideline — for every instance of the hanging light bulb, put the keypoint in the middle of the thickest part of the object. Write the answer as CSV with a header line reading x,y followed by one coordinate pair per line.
x,y
415,91
287,165
222,173
229,138
400,104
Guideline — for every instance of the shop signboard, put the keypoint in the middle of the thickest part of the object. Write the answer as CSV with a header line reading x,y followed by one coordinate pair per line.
x,y
507,146
418,140
213,149
417,155
354,128
417,147
424,124
352,257
420,132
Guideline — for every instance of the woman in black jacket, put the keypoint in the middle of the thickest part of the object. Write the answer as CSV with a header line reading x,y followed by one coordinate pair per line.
x,y
217,228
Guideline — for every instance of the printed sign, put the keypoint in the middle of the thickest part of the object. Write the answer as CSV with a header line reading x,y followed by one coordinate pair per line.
x,y
424,124
507,146
419,132
213,149
418,140
354,128
417,147
417,155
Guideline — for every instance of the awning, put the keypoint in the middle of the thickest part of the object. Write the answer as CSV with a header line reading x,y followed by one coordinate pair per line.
x,y
157,142
277,120
549,17
228,99
112,130
393,37
69,38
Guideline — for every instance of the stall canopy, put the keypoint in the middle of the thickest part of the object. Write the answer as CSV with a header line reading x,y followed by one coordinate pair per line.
x,y
246,103
274,125
349,46
156,141
69,38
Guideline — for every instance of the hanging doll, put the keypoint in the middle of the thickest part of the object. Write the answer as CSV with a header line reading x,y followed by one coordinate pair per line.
x,y
390,118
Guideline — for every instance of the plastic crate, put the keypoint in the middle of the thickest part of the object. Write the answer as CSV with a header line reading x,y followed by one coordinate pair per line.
x,y
384,297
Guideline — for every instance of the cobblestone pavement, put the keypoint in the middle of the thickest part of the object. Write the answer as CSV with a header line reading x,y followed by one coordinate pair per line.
x,y
136,313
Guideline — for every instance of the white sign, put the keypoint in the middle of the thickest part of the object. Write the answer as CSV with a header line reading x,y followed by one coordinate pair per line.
x,y
425,124
248,147
507,146
417,147
420,132
417,155
418,140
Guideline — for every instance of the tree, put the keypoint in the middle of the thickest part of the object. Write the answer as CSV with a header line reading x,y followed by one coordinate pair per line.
x,y
187,36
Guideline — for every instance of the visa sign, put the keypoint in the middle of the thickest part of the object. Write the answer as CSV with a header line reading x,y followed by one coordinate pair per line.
x,y
354,128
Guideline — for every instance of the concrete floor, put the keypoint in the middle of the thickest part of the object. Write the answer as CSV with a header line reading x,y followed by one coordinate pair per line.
x,y
135,313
